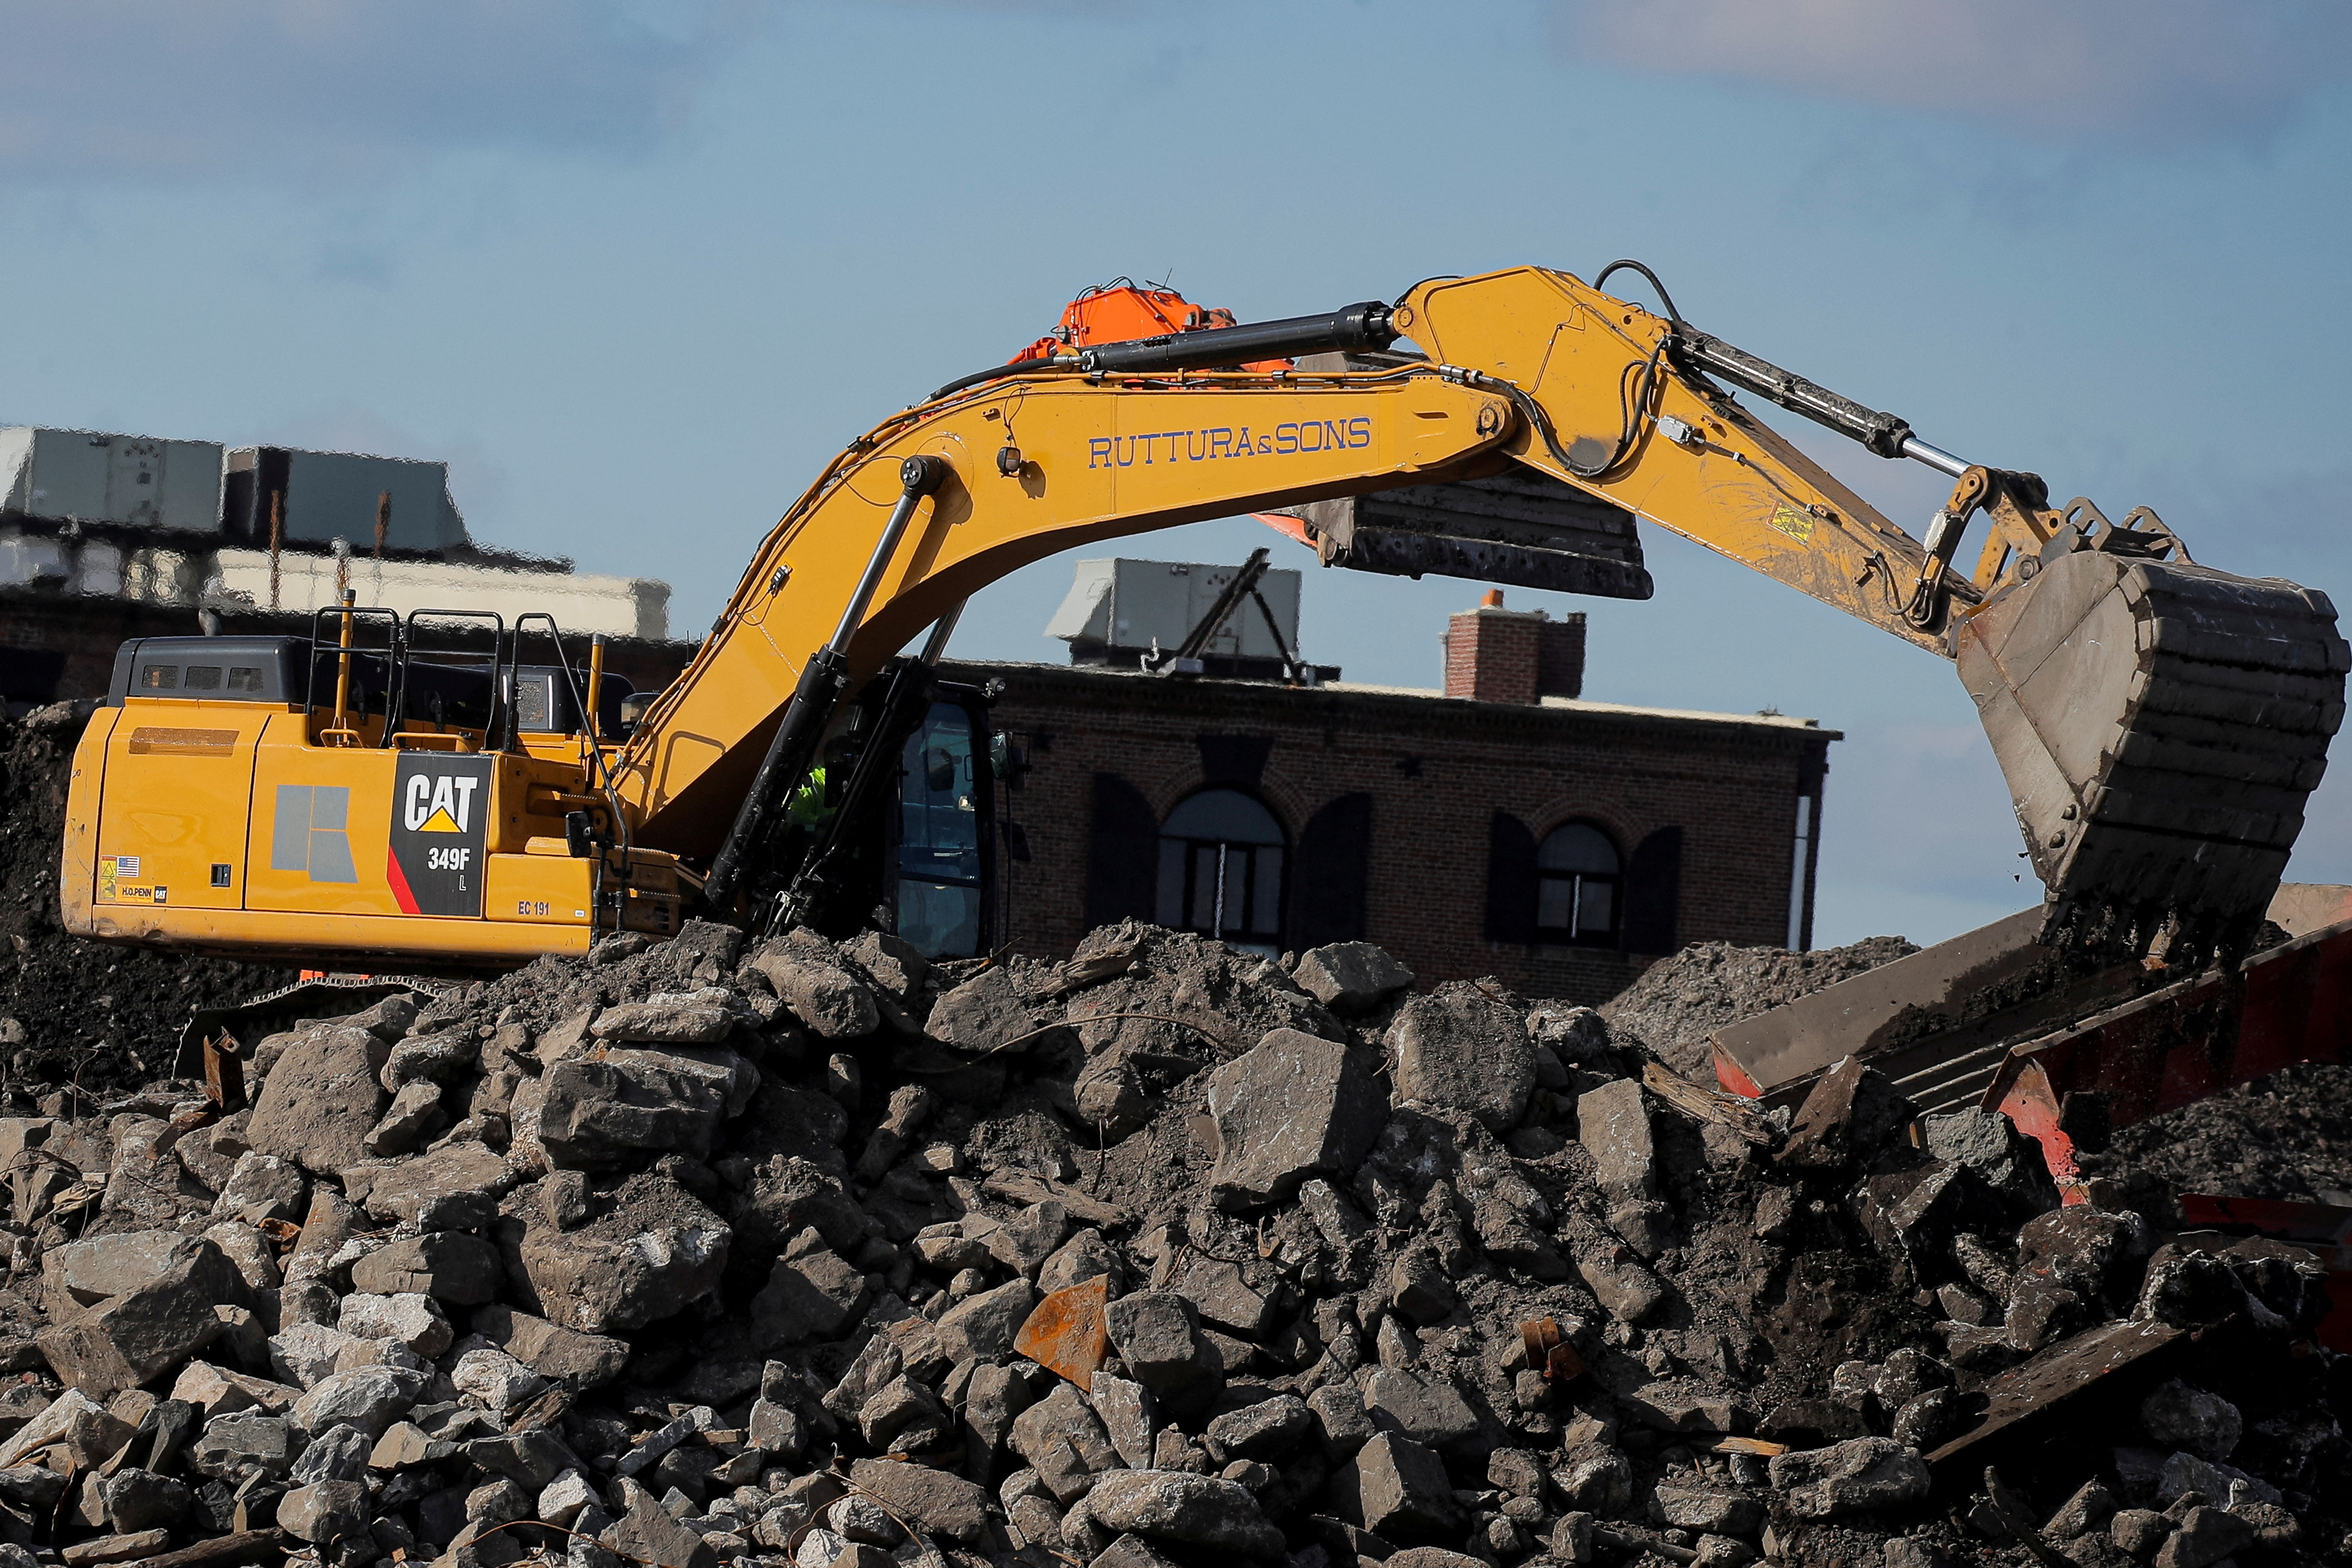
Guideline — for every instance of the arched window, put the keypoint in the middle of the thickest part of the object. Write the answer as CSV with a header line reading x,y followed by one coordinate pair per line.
x,y
1220,865
1576,872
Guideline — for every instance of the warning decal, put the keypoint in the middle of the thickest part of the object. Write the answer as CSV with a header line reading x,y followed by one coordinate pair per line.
x,y
440,812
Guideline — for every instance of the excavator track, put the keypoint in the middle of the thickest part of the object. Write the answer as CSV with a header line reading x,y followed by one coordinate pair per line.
x,y
2161,727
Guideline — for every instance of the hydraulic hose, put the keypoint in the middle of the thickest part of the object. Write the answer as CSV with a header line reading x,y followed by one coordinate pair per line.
x,y
1356,328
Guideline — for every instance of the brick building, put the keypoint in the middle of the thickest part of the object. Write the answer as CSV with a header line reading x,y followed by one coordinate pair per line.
x,y
1500,827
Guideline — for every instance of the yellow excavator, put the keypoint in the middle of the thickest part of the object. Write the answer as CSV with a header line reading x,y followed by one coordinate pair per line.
x,y
357,798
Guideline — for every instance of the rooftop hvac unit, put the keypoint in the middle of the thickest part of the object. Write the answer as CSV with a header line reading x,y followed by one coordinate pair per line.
x,y
93,477
333,496
1119,611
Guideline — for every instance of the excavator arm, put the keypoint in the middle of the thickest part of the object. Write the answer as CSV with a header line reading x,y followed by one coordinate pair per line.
x,y
2160,723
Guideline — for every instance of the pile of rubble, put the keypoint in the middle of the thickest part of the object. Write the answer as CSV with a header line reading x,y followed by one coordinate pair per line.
x,y
1682,999
683,1255
2288,1135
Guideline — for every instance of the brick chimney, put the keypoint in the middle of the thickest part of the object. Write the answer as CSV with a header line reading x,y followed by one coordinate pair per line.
x,y
1499,655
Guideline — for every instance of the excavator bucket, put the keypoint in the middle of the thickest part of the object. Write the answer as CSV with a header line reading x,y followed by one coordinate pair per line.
x,y
2160,726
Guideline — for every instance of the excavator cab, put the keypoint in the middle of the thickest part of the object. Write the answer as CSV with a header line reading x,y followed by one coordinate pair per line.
x,y
897,826
942,833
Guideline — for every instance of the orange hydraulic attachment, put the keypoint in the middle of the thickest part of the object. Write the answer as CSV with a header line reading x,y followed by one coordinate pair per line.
x,y
1121,311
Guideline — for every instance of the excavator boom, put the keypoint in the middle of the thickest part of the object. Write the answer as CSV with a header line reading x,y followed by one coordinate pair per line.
x,y
2161,723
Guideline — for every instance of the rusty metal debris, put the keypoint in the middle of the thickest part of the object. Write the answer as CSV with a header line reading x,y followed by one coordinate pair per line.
x,y
1549,1352
1066,1334
223,1073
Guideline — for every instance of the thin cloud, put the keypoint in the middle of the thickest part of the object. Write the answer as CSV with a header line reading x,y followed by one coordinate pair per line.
x,y
2161,71
166,89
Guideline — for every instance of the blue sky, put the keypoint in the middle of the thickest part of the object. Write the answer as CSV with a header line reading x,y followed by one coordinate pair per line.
x,y
635,270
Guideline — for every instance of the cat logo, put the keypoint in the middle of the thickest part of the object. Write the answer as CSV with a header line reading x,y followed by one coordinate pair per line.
x,y
437,803
440,810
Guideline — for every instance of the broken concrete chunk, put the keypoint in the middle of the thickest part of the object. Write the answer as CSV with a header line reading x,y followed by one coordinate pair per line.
x,y
433,1058
246,1443
495,1379
825,998
1460,1049
1429,1410
1861,1474
904,1415
647,1535
115,1548
216,1392
1351,979
88,1429
578,1361
1626,1291
303,1354
84,1273
670,1019
1128,1414
984,1013
1715,1511
1341,1423
454,1187
1157,1335
2180,1417
810,1295
255,1261
263,1186
411,1319
338,1453
1085,1256
788,1195
932,1500
148,1330
602,1112
1397,1489
1267,1430
1418,1287
984,1325
369,1398
1595,1478
1989,1144
1023,1242
1065,1443
321,1101
450,1266
654,1250
1291,1108
1849,1116
1222,1297
1612,1122
1197,1510
414,1114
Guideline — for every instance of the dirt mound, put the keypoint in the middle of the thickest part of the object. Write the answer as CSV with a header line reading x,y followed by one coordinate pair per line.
x,y
1678,1001
73,1012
